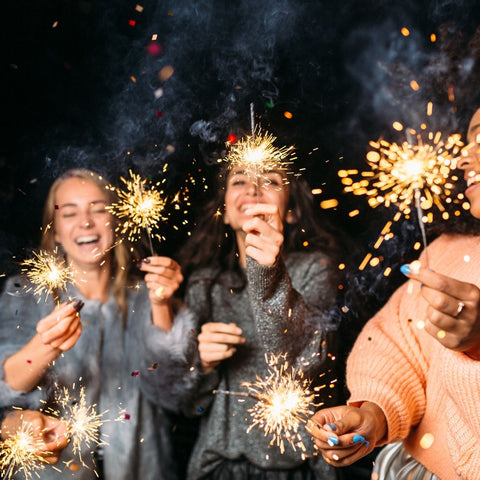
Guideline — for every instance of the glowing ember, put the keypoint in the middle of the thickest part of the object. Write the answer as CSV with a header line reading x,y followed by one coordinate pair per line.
x,y
48,271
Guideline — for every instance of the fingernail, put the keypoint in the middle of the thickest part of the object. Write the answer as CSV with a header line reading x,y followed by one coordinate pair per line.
x,y
332,426
405,269
358,439
367,443
332,440
146,260
78,305
335,457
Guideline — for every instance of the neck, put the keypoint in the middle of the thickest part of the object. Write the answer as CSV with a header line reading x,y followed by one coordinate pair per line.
x,y
94,282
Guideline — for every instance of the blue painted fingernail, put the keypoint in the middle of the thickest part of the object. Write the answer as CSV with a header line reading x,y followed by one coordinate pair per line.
x,y
367,443
358,439
405,269
332,440
332,426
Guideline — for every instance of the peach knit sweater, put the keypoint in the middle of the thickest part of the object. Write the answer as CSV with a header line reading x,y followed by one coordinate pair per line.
x,y
429,394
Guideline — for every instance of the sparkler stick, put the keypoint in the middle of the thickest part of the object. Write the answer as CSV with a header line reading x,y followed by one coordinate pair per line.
x,y
49,272
140,206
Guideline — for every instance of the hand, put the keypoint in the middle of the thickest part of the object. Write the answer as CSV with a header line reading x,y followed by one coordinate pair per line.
x,y
218,341
48,434
345,434
62,328
163,278
453,312
264,231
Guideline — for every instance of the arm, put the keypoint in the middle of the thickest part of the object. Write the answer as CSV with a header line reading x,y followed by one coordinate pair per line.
x,y
57,332
163,278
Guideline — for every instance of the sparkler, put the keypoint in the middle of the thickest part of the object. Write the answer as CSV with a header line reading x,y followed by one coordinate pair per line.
x,y
140,206
284,402
18,453
82,420
407,175
48,271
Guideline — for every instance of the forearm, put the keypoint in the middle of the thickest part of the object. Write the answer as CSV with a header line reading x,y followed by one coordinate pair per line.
x,y
24,370
162,315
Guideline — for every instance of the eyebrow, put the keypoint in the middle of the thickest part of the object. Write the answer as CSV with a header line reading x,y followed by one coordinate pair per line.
x,y
95,202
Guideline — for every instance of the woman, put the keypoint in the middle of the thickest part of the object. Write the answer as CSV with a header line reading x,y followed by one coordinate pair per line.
x,y
261,279
414,371
45,348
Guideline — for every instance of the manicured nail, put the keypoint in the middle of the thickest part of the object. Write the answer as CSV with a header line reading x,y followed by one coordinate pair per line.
x,y
332,440
78,305
332,426
358,439
405,269
367,443
335,457
146,260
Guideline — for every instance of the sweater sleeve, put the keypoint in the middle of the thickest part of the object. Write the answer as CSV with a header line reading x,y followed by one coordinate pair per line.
x,y
387,367
290,309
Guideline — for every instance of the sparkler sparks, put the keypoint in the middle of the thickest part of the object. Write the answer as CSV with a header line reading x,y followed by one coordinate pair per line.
x,y
140,206
48,271
18,453
258,153
284,402
82,420
407,175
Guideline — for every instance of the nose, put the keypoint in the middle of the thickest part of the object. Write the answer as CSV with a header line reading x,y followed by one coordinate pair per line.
x,y
469,161
86,221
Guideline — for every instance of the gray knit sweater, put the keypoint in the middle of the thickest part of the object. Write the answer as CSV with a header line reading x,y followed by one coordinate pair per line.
x,y
279,311
109,361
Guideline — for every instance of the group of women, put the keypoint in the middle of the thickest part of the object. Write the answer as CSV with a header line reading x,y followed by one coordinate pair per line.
x,y
257,278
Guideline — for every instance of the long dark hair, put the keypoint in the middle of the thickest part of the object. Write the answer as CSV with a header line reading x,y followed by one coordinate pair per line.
x,y
213,243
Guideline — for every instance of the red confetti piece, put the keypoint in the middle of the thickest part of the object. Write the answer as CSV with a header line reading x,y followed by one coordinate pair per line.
x,y
131,23
154,49
29,361
159,113
127,416
231,138
135,373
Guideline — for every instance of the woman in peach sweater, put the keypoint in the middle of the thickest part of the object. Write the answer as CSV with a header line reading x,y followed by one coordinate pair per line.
x,y
414,372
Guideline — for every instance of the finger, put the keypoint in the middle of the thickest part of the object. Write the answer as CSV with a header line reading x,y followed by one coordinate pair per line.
x,y
71,340
263,257
264,227
216,357
220,338
220,327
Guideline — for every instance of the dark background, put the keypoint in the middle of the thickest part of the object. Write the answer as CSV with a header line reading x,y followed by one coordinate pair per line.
x,y
80,84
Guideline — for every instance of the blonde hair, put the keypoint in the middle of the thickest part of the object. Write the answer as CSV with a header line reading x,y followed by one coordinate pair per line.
x,y
120,256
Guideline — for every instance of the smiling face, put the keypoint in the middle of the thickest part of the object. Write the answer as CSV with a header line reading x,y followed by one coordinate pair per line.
x,y
470,163
242,191
82,225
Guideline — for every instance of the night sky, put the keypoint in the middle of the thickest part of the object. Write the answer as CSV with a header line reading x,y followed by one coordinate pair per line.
x,y
112,85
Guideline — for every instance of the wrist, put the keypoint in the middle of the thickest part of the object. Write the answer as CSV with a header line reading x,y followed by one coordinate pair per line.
x,y
379,418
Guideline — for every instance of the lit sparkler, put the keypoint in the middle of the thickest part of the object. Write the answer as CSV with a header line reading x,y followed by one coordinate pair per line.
x,y
48,271
407,175
82,420
257,152
18,453
140,206
284,402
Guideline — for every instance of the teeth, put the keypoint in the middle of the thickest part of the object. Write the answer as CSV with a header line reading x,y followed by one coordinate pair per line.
x,y
87,239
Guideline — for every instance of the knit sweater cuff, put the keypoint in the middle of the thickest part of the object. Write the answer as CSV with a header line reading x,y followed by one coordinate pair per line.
x,y
174,342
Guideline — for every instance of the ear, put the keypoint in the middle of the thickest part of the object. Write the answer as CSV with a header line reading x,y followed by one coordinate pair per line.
x,y
290,217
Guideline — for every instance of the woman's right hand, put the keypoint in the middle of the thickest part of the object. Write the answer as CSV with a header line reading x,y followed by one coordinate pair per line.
x,y
218,341
344,434
62,328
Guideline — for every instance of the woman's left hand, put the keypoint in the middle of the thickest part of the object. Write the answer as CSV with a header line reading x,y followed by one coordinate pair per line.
x,y
264,230
453,312
163,277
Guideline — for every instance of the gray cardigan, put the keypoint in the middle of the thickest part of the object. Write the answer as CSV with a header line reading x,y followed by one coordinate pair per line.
x,y
109,361
280,310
